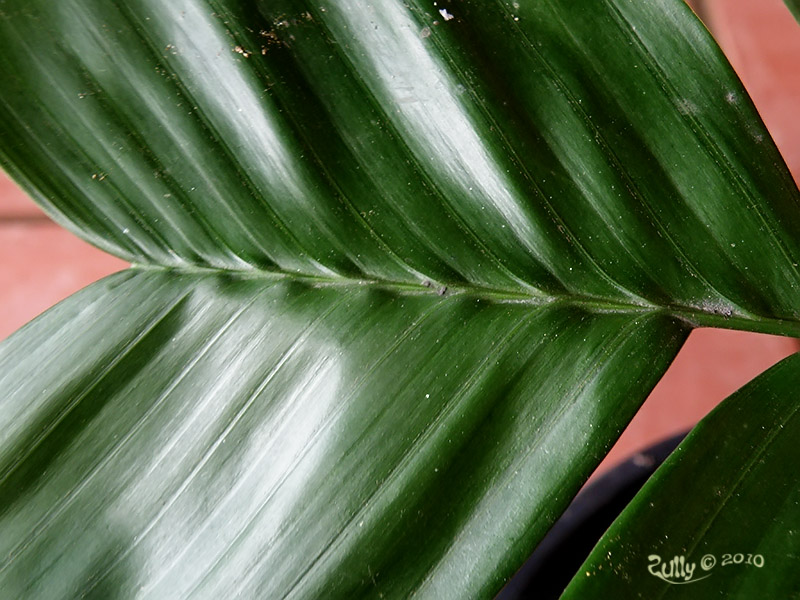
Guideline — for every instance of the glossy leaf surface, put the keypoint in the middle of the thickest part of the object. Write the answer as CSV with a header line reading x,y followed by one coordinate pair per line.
x,y
265,402
727,502
548,149
207,434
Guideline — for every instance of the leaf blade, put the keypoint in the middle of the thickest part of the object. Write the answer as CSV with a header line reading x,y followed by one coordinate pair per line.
x,y
744,445
320,454
527,150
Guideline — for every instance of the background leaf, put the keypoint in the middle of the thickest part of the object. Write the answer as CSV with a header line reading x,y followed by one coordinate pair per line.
x,y
738,502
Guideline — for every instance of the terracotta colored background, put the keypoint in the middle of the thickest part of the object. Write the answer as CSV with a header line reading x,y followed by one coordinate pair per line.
x,y
43,263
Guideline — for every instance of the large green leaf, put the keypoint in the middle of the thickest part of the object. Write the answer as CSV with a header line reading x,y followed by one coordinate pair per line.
x,y
405,270
546,149
737,534
208,434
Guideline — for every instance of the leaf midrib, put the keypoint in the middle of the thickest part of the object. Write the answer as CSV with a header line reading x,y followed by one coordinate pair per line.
x,y
693,317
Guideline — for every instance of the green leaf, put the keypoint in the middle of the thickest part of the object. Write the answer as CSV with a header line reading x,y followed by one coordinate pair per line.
x,y
208,434
794,6
371,241
548,149
738,530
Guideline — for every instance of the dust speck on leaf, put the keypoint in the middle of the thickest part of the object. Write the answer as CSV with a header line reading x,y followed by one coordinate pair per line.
x,y
242,51
717,308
